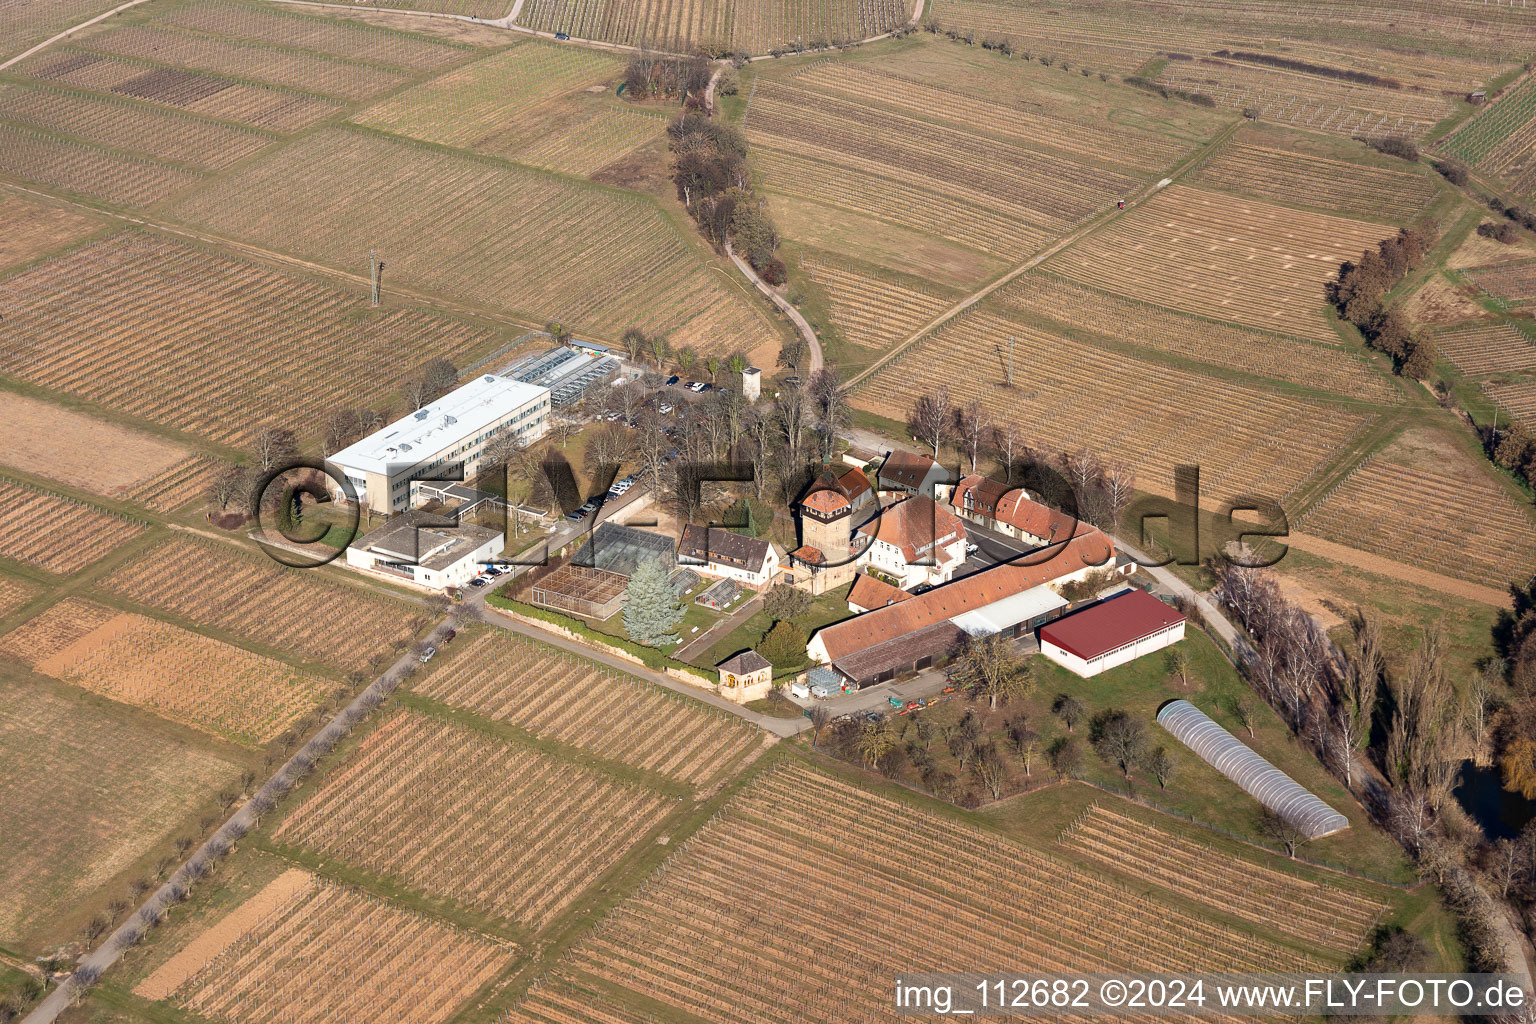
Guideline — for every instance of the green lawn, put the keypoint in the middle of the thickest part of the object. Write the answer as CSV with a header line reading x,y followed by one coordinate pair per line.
x,y
829,607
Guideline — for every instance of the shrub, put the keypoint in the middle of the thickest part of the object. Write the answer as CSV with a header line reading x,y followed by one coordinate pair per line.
x,y
1394,145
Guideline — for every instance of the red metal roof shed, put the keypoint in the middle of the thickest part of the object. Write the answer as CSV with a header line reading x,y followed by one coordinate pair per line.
x,y
1110,624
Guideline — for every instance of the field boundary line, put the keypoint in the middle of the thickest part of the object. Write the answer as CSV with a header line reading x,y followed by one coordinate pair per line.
x,y
69,32
1064,242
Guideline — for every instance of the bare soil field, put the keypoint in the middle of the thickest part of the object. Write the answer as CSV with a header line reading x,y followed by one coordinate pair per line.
x,y
1439,302
82,451
113,790
184,676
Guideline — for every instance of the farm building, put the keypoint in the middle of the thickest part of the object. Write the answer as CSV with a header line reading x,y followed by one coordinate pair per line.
x,y
869,593
1010,511
910,635
1254,775
580,590
451,431
422,549
617,548
716,552
914,542
914,474
745,676
1113,632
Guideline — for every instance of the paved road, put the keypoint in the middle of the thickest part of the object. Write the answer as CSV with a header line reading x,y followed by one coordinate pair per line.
x,y
812,342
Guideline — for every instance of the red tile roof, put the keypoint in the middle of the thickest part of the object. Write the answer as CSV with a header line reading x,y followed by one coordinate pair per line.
x,y
870,593
916,525
906,469
1109,624
967,593
1013,506
825,501
808,555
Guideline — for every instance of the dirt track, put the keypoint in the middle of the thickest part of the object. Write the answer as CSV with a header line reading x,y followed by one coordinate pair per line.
x,y
1398,571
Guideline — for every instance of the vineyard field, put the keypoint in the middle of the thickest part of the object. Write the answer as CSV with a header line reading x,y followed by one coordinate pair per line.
x,y
1000,177
113,791
121,125
1501,141
29,23
472,104
895,885
57,533
575,138
1074,307
311,72
1200,252
516,239
874,312
556,696
438,805
890,88
322,952
210,344
177,487
685,24
1432,507
1275,901
1518,397
181,675
1246,439
1488,348
248,103
351,40
1299,179
221,587
88,170
1508,282
34,228
14,593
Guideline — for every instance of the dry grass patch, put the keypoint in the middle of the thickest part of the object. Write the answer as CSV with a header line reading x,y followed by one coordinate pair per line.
x,y
82,451
181,675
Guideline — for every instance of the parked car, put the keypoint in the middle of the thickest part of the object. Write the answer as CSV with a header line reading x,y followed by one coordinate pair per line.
x,y
448,637
427,654
914,705
671,380
477,582
562,35
665,409
792,381
895,702
971,549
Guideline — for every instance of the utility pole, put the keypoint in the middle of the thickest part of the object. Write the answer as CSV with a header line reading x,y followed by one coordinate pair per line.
x,y
1011,340
374,270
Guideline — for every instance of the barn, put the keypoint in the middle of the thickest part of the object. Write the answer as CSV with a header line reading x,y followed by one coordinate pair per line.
x,y
1110,633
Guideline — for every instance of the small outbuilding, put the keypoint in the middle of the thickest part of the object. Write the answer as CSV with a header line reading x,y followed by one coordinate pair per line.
x,y
1111,633
745,677
420,548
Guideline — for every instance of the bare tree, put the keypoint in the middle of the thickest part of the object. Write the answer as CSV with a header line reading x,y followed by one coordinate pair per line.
x,y
932,420
792,352
1283,830
439,375
273,446
1243,710
1069,709
634,342
1007,443
972,429
1121,740
1119,486
994,664
1083,470
831,411
1425,736
229,484
341,426
820,716
792,414
989,769
1177,660
1161,765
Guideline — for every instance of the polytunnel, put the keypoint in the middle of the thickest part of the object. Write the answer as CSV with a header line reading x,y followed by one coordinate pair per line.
x,y
1256,776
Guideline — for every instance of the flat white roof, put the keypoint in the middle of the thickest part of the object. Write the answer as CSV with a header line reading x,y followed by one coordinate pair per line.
x,y
440,426
1010,611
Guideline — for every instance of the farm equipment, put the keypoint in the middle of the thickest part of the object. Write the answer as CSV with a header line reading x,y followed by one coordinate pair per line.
x,y
895,702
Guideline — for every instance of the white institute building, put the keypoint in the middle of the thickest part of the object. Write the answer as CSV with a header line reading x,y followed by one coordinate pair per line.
x,y
381,467
420,549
